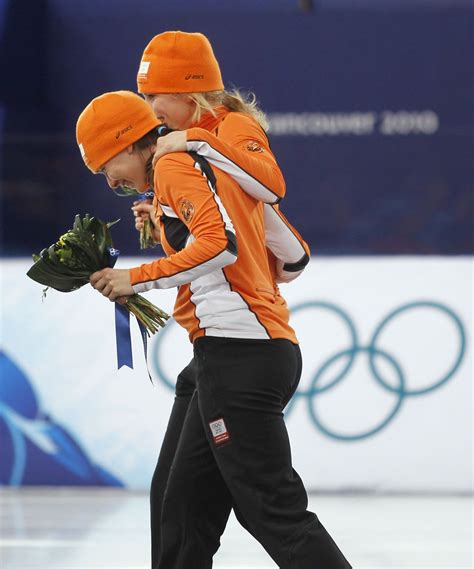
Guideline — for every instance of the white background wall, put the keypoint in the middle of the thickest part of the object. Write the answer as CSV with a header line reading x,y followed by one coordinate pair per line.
x,y
66,345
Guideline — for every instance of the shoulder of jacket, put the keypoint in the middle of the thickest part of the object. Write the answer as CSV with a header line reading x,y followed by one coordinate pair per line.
x,y
173,165
242,126
173,161
238,120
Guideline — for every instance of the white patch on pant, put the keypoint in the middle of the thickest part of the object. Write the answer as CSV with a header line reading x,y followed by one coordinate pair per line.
x,y
219,431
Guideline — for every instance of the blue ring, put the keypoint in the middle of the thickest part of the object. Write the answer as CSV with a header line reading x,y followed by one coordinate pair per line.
x,y
419,304
353,334
384,423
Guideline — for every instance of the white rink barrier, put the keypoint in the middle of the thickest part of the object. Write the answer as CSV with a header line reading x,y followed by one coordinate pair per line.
x,y
384,402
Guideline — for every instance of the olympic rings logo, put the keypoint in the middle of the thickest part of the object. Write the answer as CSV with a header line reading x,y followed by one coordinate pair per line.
x,y
375,355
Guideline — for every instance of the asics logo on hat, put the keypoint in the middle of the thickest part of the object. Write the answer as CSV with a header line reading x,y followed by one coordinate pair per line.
x,y
123,131
193,77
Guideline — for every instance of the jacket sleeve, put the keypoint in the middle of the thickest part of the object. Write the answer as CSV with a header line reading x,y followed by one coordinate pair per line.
x,y
290,249
241,150
212,243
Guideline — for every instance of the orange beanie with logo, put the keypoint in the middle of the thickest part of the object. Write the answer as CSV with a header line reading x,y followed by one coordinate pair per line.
x,y
179,62
110,123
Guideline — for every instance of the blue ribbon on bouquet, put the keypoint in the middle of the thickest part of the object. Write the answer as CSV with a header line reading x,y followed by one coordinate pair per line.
x,y
122,326
146,196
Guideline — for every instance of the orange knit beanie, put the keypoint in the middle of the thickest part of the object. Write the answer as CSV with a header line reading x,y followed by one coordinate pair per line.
x,y
110,123
178,62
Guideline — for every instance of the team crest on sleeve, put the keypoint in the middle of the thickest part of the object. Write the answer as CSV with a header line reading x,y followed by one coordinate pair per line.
x,y
187,210
254,146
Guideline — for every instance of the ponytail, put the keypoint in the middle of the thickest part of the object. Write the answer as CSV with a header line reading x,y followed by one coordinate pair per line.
x,y
234,100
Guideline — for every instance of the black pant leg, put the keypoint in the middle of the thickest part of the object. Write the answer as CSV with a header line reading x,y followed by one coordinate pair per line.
x,y
243,386
185,387
196,504
297,376
286,400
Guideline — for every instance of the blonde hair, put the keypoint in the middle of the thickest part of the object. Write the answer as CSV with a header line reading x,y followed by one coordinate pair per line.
x,y
234,100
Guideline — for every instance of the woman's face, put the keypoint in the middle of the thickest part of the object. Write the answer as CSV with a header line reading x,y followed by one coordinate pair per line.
x,y
175,110
126,169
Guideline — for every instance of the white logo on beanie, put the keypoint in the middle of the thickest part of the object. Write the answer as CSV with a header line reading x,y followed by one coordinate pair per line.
x,y
143,69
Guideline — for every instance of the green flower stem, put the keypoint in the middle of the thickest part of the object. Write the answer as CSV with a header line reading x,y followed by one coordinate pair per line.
x,y
149,315
146,235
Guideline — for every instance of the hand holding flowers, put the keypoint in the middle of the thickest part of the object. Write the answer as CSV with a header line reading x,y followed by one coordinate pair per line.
x,y
112,283
85,254
145,223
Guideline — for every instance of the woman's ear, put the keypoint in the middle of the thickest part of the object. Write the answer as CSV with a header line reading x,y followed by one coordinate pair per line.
x,y
131,149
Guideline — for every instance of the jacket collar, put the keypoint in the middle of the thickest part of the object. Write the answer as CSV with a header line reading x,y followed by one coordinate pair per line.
x,y
209,121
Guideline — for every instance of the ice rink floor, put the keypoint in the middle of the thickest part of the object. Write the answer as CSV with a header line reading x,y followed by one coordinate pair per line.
x,y
79,529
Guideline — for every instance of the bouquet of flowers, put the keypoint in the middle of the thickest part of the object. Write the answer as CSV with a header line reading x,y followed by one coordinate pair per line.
x,y
86,248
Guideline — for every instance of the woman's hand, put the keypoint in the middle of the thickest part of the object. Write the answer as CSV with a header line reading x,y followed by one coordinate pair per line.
x,y
113,283
143,210
172,142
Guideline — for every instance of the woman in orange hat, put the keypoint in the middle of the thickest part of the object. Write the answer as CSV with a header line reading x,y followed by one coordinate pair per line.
x,y
233,448
180,78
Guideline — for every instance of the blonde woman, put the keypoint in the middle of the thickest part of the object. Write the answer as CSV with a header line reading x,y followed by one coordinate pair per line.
x,y
180,78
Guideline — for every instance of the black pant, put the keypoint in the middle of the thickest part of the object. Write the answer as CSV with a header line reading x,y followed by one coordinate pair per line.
x,y
234,450
185,387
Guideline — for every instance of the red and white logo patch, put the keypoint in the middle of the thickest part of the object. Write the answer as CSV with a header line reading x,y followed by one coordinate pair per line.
x,y
219,431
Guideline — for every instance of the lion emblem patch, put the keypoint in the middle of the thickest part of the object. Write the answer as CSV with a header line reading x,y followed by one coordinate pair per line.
x,y
187,210
254,146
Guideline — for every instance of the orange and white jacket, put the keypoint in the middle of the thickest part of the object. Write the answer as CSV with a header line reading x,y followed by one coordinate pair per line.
x,y
204,214
237,144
